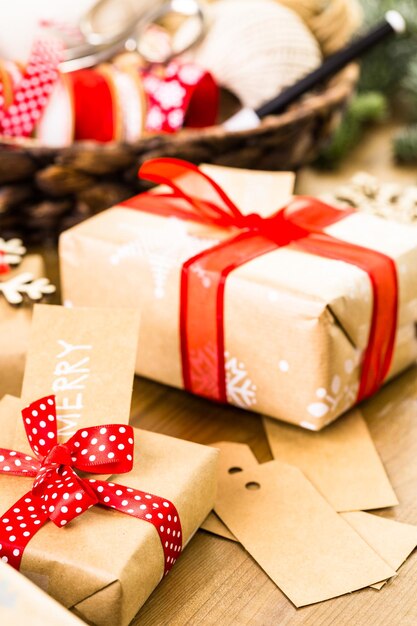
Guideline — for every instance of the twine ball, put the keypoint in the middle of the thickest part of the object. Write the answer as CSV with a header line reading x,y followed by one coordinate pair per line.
x,y
256,49
332,22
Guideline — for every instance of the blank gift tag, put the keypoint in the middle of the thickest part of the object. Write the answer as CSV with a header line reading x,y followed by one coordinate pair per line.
x,y
393,541
244,459
341,461
306,548
86,357
213,524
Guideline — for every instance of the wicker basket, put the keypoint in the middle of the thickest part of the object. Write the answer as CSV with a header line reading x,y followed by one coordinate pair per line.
x,y
44,191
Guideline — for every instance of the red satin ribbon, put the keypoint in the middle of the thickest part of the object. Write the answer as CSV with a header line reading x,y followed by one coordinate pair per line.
x,y
60,494
94,106
196,197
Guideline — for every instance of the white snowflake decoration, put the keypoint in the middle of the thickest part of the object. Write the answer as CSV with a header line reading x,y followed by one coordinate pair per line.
x,y
240,389
11,251
25,284
339,397
165,249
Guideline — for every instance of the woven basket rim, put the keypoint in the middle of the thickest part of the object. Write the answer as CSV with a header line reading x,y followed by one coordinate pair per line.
x,y
339,88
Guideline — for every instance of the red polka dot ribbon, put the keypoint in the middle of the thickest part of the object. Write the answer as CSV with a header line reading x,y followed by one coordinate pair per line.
x,y
32,91
60,494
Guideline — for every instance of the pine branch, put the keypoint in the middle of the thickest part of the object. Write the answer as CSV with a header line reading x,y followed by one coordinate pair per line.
x,y
405,145
364,109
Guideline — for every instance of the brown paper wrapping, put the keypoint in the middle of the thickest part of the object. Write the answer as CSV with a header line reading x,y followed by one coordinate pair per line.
x,y
23,604
14,331
104,565
296,325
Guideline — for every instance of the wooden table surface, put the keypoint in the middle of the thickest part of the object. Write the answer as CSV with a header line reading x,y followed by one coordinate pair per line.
x,y
216,582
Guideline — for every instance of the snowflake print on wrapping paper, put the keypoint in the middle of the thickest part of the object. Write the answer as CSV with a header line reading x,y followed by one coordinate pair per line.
x,y
170,95
240,390
340,397
164,249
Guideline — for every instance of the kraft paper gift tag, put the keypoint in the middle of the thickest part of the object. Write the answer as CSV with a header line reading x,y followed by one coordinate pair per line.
x,y
213,524
393,541
305,547
83,356
242,457
21,602
341,461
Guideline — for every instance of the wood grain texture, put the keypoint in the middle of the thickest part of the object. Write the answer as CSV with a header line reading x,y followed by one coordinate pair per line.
x,y
216,582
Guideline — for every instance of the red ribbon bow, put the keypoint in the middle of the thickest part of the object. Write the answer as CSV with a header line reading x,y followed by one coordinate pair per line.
x,y
61,495
195,196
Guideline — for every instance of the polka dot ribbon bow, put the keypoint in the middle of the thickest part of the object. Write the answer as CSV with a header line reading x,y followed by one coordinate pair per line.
x,y
60,494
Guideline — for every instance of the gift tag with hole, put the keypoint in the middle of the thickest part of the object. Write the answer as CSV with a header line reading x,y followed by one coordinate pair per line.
x,y
303,545
243,457
341,461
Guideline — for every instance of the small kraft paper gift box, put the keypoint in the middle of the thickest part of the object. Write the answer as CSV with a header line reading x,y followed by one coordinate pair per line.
x,y
152,492
297,313
20,282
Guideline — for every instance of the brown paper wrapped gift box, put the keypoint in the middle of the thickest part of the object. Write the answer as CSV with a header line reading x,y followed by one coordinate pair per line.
x,y
14,331
104,565
296,325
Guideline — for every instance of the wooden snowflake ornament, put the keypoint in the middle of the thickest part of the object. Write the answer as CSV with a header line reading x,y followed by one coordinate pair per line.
x,y
11,251
25,285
